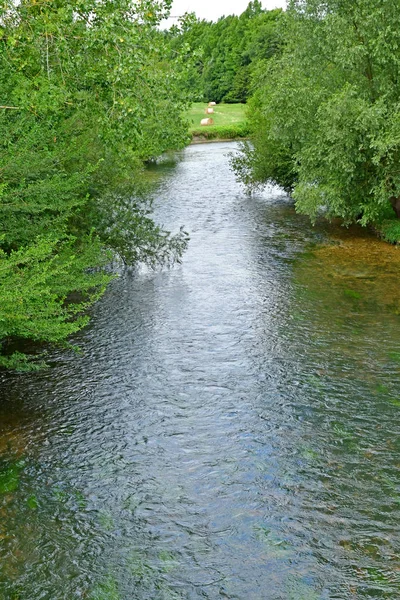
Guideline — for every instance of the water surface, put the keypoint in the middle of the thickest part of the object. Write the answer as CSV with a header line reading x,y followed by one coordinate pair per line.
x,y
231,429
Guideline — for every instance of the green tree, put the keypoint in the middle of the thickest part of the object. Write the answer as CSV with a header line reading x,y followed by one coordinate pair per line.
x,y
87,94
224,54
327,114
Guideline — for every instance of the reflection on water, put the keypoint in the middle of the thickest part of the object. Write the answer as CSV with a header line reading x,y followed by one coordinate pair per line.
x,y
231,430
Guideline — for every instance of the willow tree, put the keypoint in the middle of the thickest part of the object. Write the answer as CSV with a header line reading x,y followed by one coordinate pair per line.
x,y
326,113
86,95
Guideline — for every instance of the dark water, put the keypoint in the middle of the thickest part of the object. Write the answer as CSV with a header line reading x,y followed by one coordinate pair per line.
x,y
231,430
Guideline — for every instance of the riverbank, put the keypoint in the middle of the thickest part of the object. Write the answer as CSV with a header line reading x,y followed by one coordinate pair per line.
x,y
201,139
229,123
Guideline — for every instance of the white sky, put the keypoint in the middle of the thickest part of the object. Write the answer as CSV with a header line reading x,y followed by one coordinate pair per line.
x,y
213,9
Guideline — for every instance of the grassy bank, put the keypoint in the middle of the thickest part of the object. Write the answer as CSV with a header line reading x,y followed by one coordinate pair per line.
x,y
229,122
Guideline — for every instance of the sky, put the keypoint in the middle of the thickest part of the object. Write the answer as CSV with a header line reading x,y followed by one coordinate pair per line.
x,y
213,9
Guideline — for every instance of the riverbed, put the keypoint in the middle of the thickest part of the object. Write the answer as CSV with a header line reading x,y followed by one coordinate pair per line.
x,y
231,427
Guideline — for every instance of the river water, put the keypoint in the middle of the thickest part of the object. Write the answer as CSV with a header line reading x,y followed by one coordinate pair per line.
x,y
231,429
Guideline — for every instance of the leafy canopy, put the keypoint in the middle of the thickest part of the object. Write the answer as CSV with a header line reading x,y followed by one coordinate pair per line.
x,y
86,95
223,55
326,113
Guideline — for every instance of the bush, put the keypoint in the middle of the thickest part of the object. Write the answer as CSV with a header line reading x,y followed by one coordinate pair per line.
x,y
390,230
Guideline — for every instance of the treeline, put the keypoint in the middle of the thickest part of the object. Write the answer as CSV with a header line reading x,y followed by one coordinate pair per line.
x,y
325,113
88,92
222,57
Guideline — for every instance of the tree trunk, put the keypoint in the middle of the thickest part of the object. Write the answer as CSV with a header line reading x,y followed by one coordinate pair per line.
x,y
395,202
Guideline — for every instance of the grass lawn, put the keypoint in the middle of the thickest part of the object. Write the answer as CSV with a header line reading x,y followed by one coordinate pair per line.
x,y
224,115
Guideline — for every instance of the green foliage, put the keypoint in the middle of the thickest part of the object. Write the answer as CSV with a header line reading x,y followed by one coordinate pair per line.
x,y
327,116
390,230
222,132
229,122
223,55
86,93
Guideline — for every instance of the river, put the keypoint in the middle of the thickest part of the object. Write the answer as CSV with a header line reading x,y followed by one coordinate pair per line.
x,y
231,429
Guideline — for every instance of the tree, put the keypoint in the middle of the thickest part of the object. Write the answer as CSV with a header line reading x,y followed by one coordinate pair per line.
x,y
327,111
86,94
225,53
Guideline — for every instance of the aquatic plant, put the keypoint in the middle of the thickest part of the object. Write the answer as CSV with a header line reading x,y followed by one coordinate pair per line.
x,y
9,475
107,590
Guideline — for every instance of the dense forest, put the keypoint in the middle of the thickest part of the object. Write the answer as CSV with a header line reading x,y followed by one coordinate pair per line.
x,y
223,57
90,90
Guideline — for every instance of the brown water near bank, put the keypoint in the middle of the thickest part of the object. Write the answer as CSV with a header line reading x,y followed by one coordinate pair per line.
x,y
356,263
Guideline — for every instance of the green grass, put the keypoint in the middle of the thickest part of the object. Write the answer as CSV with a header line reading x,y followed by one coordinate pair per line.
x,y
229,121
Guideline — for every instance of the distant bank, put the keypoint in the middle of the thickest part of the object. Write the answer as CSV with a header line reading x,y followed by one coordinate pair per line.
x,y
228,122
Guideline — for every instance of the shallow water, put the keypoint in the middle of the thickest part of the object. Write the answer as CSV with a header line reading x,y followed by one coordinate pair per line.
x,y
231,429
